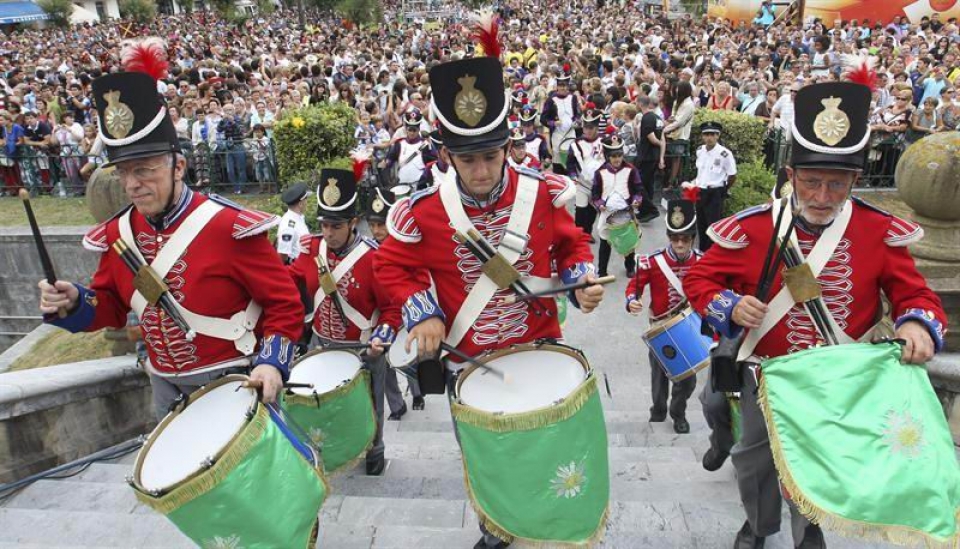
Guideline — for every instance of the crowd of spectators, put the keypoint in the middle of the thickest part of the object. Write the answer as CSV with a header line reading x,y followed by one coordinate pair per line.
x,y
230,83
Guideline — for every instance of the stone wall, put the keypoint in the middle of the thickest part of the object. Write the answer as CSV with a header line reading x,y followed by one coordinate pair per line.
x,y
54,415
944,371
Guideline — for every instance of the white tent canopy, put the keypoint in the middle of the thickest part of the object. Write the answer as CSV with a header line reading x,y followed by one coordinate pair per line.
x,y
82,15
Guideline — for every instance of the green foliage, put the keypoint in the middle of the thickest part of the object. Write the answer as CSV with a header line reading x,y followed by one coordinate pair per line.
x,y
313,137
266,7
141,11
361,12
753,186
58,11
186,5
742,134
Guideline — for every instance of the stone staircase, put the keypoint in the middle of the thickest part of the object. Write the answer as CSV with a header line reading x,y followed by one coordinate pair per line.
x,y
661,496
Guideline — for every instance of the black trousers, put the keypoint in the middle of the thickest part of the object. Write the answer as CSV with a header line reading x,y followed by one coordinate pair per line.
x,y
648,171
660,386
629,261
709,211
585,217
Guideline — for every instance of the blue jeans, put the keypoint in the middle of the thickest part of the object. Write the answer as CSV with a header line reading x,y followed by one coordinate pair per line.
x,y
264,173
237,168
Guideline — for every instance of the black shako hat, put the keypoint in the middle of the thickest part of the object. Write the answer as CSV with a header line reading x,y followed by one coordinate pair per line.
x,y
681,217
381,200
831,126
134,122
336,195
471,104
294,194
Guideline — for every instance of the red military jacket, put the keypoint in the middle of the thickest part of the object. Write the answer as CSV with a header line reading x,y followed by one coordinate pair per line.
x,y
358,286
230,263
871,257
663,296
422,239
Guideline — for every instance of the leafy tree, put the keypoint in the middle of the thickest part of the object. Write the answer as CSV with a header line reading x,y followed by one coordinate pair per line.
x,y
58,11
141,11
266,7
361,12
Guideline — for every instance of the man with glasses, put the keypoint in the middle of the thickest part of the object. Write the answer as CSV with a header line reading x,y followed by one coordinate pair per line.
x,y
855,252
209,256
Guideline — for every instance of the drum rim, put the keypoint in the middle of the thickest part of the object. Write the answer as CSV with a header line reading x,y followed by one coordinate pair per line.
x,y
142,454
683,310
492,354
320,351
691,371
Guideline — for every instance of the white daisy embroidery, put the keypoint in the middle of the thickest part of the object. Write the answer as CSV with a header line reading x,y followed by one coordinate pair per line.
x,y
569,481
316,435
232,542
903,433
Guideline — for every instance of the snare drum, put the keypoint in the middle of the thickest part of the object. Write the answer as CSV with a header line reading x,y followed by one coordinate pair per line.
x,y
622,232
226,467
534,445
338,413
680,348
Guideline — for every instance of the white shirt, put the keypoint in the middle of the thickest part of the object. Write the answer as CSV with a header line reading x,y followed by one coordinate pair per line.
x,y
714,167
783,108
292,226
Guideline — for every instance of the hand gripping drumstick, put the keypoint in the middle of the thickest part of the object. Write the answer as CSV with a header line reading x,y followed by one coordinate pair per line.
x,y
469,359
45,262
559,289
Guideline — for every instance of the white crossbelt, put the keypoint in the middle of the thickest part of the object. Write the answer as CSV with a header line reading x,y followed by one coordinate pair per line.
x,y
511,246
819,256
668,273
353,315
239,327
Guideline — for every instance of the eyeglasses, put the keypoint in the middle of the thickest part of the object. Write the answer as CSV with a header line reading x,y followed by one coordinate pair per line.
x,y
140,173
832,186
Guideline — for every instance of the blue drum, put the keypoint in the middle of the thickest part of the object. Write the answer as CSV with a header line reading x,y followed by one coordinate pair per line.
x,y
678,344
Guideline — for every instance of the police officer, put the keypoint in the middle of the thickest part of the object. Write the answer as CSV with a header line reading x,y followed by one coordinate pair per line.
x,y
293,225
716,173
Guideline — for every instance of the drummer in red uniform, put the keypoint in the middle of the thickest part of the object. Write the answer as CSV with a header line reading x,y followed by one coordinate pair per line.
x,y
519,157
212,255
663,271
358,309
856,252
520,212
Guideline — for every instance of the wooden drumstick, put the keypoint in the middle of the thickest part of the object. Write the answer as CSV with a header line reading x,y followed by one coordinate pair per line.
x,y
469,359
45,262
603,280
257,385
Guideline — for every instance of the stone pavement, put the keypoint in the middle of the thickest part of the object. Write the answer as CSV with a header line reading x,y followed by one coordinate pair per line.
x,y
661,496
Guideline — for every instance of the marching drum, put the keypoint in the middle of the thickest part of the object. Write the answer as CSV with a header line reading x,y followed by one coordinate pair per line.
x,y
214,463
338,412
680,347
534,444
622,232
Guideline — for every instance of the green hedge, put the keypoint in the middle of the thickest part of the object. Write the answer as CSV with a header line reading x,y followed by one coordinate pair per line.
x,y
312,137
753,186
742,134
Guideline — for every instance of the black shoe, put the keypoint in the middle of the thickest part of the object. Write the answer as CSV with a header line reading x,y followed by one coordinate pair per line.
x,y
418,403
714,459
658,417
593,240
483,545
812,538
680,426
601,274
395,416
631,273
375,468
746,539
647,218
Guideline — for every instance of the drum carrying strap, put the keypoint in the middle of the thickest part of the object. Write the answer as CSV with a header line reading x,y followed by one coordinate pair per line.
x,y
239,327
819,256
353,315
511,246
668,273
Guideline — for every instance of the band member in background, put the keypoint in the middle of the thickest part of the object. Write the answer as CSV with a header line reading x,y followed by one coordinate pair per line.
x,y
663,271
378,207
212,256
560,114
860,251
358,309
584,158
411,154
481,192
615,194
716,173
519,157
292,225
437,167
536,143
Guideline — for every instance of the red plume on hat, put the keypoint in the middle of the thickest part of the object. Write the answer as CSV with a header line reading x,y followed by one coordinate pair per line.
x,y
589,105
146,56
611,130
487,34
360,161
566,68
689,192
861,72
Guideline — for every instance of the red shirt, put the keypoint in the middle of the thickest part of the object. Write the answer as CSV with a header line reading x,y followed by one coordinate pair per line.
x,y
663,296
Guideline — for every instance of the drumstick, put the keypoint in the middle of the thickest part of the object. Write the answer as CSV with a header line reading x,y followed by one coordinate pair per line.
x,y
45,262
352,346
603,280
469,359
257,384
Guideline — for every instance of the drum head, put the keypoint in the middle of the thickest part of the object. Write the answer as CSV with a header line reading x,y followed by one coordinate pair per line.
x,y
326,370
536,378
179,447
397,356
